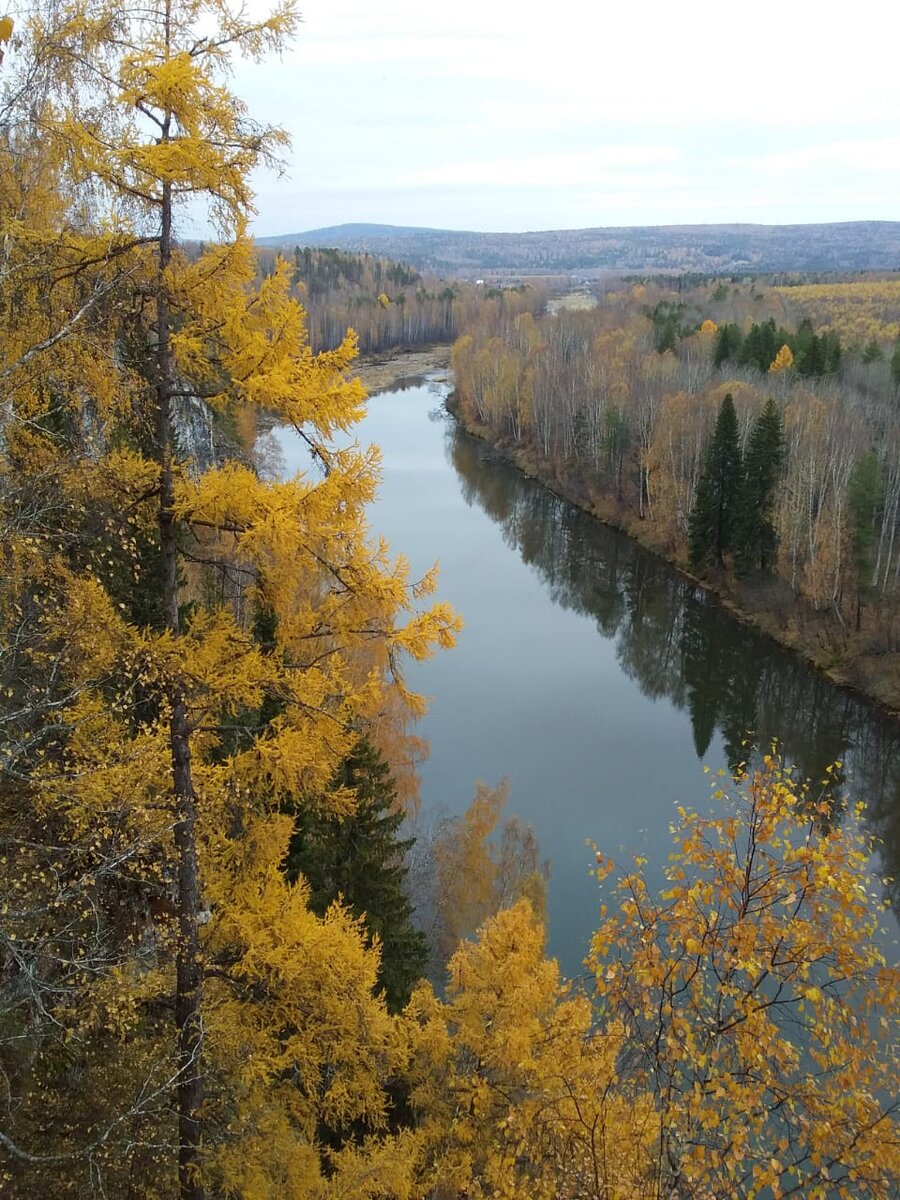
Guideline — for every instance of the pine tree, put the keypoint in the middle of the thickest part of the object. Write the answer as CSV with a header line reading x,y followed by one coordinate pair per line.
x,y
358,858
711,529
756,540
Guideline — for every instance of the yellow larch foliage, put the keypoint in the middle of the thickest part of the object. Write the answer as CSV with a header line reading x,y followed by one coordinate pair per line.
x,y
483,865
782,361
517,1091
195,651
709,326
858,312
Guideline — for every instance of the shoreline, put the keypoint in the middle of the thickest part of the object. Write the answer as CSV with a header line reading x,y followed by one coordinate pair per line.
x,y
382,372
886,707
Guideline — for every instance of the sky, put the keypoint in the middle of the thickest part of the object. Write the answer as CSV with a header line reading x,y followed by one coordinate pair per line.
x,y
494,115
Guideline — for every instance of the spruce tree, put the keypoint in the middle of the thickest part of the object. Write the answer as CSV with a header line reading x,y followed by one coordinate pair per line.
x,y
756,541
865,498
712,523
728,344
359,859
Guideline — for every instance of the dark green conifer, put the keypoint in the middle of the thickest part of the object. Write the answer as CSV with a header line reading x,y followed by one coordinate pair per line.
x,y
728,343
712,523
756,541
895,365
865,498
360,858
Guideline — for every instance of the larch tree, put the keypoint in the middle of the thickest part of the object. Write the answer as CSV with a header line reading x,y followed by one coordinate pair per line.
x,y
155,742
517,1087
782,361
475,876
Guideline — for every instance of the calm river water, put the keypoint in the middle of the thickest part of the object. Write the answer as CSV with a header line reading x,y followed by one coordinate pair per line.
x,y
591,675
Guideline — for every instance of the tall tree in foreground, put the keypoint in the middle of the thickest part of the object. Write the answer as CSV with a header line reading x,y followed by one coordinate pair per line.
x,y
711,529
153,898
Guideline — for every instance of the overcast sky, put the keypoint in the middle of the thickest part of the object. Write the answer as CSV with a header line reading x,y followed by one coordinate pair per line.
x,y
493,115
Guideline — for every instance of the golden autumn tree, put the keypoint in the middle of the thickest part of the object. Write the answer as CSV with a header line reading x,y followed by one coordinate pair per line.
x,y
738,1038
758,1008
517,1088
782,361
192,651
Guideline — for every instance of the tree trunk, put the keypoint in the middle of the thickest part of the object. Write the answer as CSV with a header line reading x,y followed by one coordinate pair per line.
x,y
188,968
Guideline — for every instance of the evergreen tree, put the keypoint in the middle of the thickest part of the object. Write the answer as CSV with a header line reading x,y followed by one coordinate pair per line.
x,y
756,541
712,523
359,859
831,353
728,343
865,497
760,346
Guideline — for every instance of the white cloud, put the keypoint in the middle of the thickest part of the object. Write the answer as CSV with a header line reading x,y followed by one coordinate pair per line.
x,y
877,155
405,99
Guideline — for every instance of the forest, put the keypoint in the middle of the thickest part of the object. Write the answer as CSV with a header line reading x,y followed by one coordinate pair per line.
x,y
210,982
712,249
747,431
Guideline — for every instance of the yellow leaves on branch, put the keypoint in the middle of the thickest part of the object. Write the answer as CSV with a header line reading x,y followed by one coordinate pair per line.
x,y
519,1090
766,924
249,342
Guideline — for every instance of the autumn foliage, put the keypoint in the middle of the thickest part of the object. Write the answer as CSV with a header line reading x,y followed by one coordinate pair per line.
x,y
616,408
736,1034
192,652
192,655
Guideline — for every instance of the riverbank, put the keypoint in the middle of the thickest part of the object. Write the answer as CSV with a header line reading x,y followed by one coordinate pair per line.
x,y
382,372
767,607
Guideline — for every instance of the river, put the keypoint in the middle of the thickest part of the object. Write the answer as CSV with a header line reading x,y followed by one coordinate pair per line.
x,y
591,675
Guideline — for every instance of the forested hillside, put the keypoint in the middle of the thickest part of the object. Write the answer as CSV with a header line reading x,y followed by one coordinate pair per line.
x,y
847,246
750,431
207,967
387,304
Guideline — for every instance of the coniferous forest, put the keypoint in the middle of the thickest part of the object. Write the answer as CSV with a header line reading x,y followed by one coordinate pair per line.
x,y
210,975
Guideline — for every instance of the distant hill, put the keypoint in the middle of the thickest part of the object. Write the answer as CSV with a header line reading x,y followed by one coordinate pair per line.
x,y
842,246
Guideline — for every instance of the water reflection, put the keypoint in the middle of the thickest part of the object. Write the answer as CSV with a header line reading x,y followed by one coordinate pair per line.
x,y
677,643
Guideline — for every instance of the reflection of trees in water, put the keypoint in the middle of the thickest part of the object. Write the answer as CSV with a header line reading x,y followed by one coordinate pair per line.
x,y
676,642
